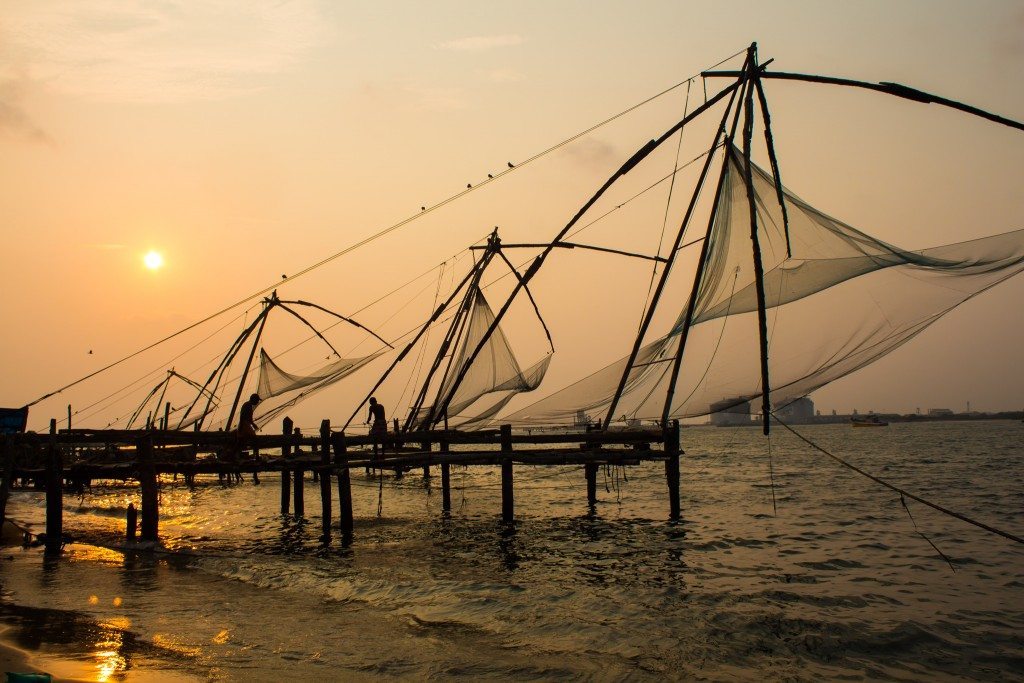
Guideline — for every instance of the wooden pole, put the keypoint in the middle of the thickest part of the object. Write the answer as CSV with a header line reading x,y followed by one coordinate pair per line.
x,y
167,415
5,485
147,484
131,523
69,417
446,481
507,502
325,481
54,494
672,467
286,475
590,471
300,501
426,446
344,485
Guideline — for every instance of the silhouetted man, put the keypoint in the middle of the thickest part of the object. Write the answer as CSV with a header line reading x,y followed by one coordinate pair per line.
x,y
378,425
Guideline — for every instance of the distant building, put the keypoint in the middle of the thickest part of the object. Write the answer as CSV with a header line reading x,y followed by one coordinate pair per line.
x,y
731,412
797,412
939,412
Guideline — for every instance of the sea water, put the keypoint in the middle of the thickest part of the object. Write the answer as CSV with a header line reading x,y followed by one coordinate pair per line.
x,y
786,565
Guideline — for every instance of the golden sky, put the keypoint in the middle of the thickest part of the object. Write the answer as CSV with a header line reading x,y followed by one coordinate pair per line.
x,y
246,140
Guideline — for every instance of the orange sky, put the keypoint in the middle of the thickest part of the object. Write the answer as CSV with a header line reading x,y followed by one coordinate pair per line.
x,y
246,140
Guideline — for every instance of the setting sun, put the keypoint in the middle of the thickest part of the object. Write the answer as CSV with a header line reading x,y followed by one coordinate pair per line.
x,y
153,260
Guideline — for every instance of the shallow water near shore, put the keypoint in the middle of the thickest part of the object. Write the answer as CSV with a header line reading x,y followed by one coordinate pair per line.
x,y
836,584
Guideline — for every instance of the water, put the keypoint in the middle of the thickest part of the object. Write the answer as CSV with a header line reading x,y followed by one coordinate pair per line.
x,y
837,584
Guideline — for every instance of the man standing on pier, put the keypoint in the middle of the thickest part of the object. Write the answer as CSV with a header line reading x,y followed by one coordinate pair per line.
x,y
378,425
246,421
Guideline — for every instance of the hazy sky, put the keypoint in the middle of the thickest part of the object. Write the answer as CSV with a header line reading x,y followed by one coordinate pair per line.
x,y
246,140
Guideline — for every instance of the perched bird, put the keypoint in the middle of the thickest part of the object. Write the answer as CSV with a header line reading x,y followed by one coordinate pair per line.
x,y
511,165
284,277
469,185
90,352
423,208
489,175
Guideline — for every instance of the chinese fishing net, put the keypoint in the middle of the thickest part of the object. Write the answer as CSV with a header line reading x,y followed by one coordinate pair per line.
x,y
841,301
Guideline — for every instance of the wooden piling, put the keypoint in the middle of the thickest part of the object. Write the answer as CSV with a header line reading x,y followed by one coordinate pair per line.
x,y
5,486
286,475
344,484
325,481
426,446
131,523
300,501
54,494
150,494
590,471
446,481
672,467
507,502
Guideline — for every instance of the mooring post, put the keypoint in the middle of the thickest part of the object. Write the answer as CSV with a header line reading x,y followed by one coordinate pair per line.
x,y
325,481
344,485
672,467
590,470
507,503
286,474
446,480
131,523
54,494
147,485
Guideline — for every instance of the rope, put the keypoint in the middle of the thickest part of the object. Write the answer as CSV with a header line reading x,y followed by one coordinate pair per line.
x,y
902,492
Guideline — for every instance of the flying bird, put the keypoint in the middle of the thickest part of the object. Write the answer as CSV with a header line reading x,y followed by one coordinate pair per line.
x,y
90,352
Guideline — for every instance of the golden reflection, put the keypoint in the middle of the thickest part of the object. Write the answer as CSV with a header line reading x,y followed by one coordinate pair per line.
x,y
173,644
93,600
94,553
118,602
222,637
109,660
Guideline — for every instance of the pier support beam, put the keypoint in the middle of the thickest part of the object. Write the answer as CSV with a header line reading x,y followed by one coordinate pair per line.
x,y
672,467
131,523
344,486
54,494
446,481
507,500
300,501
590,471
325,481
426,446
286,475
150,494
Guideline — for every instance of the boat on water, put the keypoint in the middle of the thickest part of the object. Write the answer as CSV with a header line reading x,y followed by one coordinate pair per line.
x,y
868,421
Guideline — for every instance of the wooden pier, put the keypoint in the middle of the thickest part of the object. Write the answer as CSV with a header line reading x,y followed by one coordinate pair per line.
x,y
74,458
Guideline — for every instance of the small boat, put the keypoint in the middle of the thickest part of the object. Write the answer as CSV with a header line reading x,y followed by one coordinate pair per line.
x,y
868,421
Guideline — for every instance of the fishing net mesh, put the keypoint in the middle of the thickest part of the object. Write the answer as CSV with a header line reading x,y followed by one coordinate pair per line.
x,y
842,300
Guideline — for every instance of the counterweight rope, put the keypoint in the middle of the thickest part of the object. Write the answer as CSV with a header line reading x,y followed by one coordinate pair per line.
x,y
902,492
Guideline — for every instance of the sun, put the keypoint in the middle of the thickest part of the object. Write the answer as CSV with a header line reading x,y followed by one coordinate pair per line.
x,y
153,260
